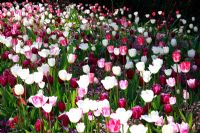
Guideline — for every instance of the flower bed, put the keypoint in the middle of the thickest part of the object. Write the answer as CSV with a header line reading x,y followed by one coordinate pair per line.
x,y
87,69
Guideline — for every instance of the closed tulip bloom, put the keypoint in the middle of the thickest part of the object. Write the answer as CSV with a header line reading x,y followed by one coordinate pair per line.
x,y
185,66
176,55
171,82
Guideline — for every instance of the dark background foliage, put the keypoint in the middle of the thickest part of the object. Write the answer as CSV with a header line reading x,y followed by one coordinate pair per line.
x,y
187,7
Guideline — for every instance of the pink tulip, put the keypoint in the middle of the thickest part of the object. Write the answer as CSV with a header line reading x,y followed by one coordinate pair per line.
x,y
123,50
172,100
191,83
91,77
186,94
101,63
184,128
123,84
185,66
110,49
81,92
108,66
171,82
176,56
113,126
105,111
52,100
15,58
38,100
159,122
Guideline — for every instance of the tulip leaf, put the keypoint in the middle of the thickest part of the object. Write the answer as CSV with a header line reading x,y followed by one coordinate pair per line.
x,y
182,116
190,121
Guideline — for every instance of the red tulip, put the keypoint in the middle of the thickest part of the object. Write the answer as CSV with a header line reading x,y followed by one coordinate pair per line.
x,y
165,98
140,40
73,83
129,74
162,80
39,125
167,108
3,81
61,106
103,96
185,66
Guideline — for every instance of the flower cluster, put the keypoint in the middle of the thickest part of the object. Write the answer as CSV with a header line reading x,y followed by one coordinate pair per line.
x,y
87,69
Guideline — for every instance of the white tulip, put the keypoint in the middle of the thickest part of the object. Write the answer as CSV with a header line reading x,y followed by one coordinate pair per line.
x,y
23,73
173,42
138,128
80,127
19,89
116,70
168,72
116,51
51,62
38,77
191,53
86,69
132,52
167,128
109,82
75,114
105,42
147,95
140,66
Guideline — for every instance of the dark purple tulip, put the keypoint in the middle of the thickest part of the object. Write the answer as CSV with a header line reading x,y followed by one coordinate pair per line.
x,y
73,83
39,125
129,74
167,108
64,119
3,80
61,106
4,56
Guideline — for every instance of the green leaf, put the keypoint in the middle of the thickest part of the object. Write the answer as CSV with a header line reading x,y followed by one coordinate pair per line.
x,y
182,116
190,120
31,34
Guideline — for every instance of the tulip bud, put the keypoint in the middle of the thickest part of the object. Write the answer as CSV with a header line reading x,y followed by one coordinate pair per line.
x,y
176,56
39,125
156,89
122,103
165,98
19,89
167,108
137,111
103,96
61,106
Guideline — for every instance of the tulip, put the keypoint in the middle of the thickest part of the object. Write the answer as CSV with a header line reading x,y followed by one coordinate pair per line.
x,y
19,90
137,111
184,127
113,125
176,56
108,66
147,95
138,128
171,82
165,98
167,108
185,66
156,89
123,84
103,96
192,83
122,103
75,114
64,119
123,50
140,40
61,106
3,80
101,63
73,83
39,125
80,127
167,129
110,49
